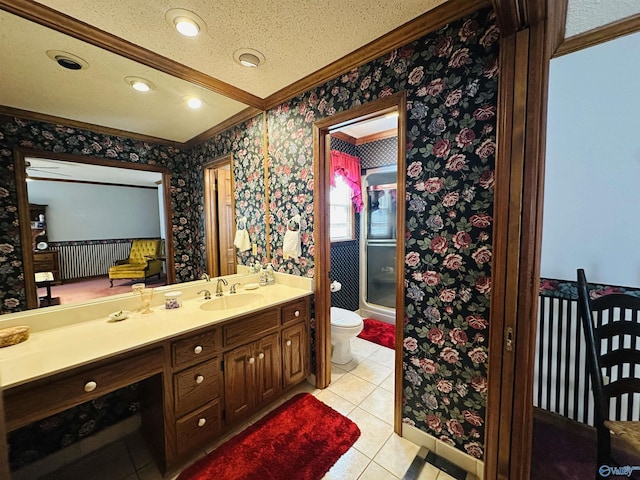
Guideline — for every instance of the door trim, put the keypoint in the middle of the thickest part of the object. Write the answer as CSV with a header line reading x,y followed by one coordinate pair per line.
x,y
321,151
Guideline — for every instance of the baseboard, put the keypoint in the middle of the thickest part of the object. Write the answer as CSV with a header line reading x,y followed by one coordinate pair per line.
x,y
75,452
473,466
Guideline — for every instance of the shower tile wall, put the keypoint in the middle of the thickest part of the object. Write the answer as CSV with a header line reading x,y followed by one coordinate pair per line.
x,y
345,256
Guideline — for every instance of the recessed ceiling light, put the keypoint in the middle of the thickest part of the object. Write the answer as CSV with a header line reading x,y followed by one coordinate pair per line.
x,y
185,22
248,57
139,84
67,60
194,103
186,26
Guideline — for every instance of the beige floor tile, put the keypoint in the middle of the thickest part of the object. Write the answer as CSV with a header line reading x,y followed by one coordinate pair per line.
x,y
396,455
138,450
363,348
349,466
335,401
429,472
150,472
371,371
108,463
336,372
352,388
373,432
380,404
384,356
389,383
376,472
441,476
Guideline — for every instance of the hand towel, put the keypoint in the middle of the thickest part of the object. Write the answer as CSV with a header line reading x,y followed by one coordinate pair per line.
x,y
291,246
242,240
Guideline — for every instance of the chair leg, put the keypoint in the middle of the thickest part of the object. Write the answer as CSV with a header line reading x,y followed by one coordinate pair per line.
x,y
111,282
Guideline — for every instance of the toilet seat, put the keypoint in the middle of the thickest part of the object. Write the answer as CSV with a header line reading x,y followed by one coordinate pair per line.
x,y
344,318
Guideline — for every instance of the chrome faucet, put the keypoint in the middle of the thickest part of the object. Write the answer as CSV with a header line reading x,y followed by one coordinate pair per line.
x,y
221,281
206,277
207,294
232,288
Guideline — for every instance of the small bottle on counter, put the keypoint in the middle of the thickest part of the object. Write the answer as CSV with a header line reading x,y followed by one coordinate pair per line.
x,y
262,279
271,278
172,300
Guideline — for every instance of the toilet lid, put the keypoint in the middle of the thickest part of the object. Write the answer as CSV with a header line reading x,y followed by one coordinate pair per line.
x,y
344,318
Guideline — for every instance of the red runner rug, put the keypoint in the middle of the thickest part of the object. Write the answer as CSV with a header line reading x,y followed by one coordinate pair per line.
x,y
301,440
379,332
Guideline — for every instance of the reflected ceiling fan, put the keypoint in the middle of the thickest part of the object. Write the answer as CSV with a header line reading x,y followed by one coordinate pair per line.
x,y
44,169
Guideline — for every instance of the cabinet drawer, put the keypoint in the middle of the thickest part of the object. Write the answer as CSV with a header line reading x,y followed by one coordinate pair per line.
x,y
196,386
29,403
195,429
298,310
195,349
241,330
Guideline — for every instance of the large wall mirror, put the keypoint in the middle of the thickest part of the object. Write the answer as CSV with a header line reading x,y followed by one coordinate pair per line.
x,y
158,133
79,216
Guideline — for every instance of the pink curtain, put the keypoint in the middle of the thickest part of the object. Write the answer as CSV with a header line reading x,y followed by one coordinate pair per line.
x,y
348,167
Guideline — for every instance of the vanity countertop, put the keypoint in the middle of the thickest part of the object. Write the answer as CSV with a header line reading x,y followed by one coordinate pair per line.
x,y
72,344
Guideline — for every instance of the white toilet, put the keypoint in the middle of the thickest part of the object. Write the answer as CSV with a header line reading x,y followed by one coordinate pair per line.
x,y
345,325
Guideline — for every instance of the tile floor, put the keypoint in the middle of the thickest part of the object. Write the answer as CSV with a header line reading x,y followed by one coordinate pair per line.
x,y
361,390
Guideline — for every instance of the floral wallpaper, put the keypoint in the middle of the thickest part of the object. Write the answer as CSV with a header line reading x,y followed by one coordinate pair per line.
x,y
568,289
450,77
245,143
46,137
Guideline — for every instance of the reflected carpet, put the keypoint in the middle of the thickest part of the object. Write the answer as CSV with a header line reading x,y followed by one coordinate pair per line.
x,y
379,332
301,439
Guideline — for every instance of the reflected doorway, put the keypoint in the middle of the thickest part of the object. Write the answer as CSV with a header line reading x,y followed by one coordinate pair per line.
x,y
219,214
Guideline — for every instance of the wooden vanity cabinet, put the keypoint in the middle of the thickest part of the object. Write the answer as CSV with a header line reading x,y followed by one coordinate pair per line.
x,y
252,376
295,342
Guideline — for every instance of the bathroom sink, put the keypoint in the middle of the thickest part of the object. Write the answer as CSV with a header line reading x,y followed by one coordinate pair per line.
x,y
237,300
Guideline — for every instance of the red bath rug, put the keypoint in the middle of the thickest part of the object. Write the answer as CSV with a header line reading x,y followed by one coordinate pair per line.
x,y
301,439
379,332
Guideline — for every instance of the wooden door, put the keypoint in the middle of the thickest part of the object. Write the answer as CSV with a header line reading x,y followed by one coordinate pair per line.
x,y
239,382
269,369
219,214
226,228
294,345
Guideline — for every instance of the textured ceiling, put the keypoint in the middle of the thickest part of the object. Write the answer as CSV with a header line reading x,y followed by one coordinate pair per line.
x,y
585,15
297,37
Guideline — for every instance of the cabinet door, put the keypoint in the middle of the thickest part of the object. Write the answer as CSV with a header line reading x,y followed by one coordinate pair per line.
x,y
239,383
269,370
294,354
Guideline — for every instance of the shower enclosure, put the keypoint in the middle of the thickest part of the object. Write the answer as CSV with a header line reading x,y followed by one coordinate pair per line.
x,y
378,245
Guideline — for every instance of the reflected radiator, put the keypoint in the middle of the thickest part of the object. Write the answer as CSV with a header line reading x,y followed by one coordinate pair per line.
x,y
89,259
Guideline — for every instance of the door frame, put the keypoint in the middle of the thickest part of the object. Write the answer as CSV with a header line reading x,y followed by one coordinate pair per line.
x,y
211,218
321,153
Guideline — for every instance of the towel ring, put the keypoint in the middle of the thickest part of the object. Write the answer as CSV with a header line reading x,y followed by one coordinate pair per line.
x,y
294,224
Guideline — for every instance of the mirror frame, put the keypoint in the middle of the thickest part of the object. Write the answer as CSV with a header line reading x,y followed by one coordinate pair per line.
x,y
19,156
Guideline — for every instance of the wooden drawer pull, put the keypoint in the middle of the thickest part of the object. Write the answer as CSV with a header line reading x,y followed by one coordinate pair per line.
x,y
198,350
199,379
90,386
297,313
261,356
202,421
288,343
